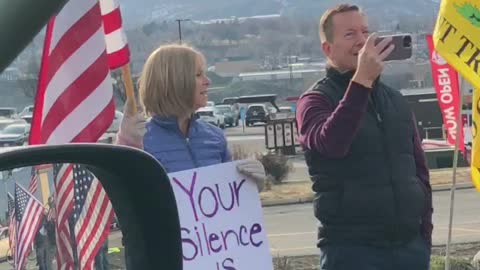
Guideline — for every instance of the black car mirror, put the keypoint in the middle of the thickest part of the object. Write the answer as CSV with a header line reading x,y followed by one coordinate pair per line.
x,y
137,185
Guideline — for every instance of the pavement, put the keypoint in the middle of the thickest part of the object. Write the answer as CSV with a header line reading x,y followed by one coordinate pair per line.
x,y
257,129
291,229
291,226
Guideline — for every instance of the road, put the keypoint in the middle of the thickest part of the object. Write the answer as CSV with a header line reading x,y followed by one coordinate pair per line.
x,y
292,229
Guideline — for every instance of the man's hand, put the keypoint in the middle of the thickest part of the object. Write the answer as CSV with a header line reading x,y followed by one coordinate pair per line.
x,y
370,60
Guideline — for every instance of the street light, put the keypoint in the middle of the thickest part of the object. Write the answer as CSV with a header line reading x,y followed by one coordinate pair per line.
x,y
179,21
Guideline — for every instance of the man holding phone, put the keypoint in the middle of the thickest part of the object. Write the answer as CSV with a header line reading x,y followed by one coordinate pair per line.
x,y
364,155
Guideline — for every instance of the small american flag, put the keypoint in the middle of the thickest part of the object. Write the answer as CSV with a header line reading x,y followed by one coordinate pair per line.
x,y
92,213
11,225
63,177
28,216
32,188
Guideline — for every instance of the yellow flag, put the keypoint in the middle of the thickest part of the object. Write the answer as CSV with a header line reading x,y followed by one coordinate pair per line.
x,y
475,159
457,39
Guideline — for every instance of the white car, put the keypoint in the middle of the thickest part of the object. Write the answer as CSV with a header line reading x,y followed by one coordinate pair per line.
x,y
211,115
27,111
210,104
115,126
9,113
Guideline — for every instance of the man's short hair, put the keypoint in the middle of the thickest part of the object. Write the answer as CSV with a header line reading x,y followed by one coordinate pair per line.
x,y
326,21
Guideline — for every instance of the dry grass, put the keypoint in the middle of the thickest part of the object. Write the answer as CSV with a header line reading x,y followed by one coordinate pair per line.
x,y
444,176
239,152
302,191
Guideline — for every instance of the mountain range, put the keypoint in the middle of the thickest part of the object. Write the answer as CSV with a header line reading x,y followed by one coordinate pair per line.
x,y
138,12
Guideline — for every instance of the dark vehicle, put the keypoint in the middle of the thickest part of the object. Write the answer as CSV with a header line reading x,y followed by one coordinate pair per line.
x,y
14,135
230,117
256,113
8,112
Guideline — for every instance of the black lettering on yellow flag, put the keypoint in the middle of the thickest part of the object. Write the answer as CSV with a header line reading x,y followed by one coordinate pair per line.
x,y
457,39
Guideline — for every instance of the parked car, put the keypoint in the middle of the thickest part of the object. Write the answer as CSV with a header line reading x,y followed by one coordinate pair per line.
x,y
211,115
285,109
115,126
232,101
27,111
8,112
5,122
14,135
256,113
28,118
231,118
210,104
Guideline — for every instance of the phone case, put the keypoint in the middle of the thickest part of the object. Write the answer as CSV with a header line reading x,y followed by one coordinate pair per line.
x,y
403,47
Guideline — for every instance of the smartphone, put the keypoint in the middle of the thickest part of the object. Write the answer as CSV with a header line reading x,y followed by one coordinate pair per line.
x,y
403,47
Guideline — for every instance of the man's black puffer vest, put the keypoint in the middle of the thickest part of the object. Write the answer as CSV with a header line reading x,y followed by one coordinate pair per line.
x,y
372,195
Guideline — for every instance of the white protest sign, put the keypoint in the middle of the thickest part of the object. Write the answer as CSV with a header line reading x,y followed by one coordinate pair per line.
x,y
221,219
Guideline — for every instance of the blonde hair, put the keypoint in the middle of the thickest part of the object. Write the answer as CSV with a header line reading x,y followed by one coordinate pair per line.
x,y
167,83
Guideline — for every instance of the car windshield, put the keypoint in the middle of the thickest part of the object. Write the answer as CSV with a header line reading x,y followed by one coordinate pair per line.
x,y
255,108
205,113
6,112
14,129
224,109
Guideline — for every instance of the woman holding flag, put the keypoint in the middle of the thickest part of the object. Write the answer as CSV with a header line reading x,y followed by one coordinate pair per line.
x,y
173,85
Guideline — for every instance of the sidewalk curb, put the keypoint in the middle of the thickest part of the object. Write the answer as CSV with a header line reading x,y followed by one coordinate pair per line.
x,y
447,187
243,134
285,202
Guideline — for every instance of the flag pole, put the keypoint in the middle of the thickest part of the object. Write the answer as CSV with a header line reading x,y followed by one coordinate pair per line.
x,y
128,82
454,176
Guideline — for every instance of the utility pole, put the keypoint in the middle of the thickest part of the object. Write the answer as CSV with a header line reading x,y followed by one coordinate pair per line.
x,y
179,21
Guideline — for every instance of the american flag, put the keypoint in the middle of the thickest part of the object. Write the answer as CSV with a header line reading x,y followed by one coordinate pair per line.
x,y
116,40
63,177
32,188
92,209
74,103
12,224
28,216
